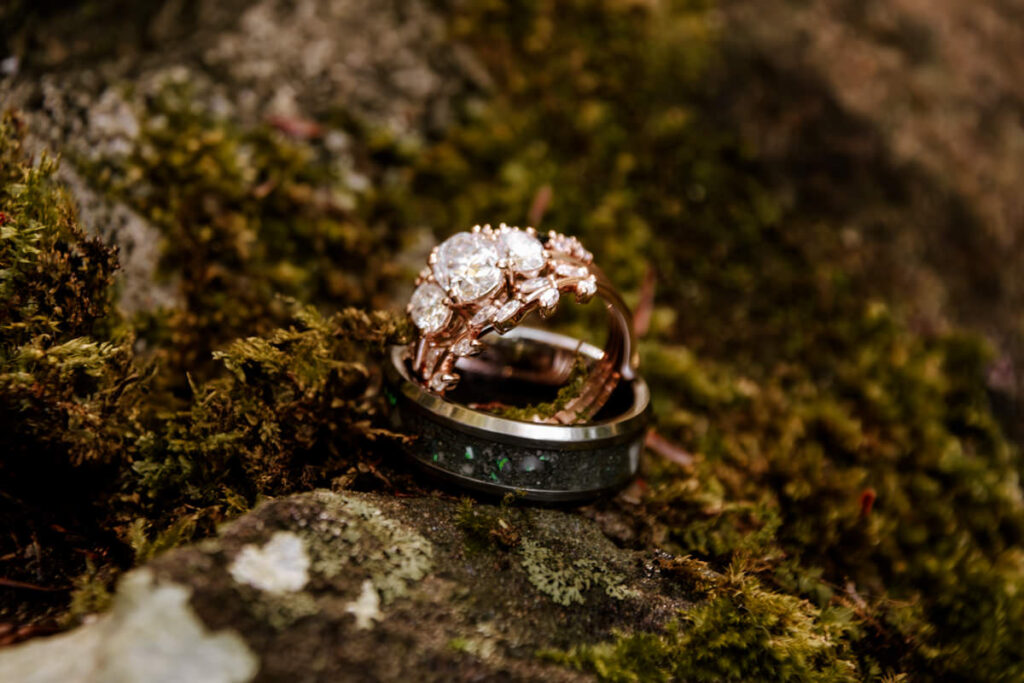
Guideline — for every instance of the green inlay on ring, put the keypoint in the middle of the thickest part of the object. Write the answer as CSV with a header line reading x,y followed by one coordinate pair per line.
x,y
502,463
469,452
494,476
435,457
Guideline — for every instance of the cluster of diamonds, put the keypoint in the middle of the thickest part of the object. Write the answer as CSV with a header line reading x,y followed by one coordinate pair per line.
x,y
490,278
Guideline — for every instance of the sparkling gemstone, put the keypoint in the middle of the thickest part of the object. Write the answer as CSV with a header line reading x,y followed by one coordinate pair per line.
x,y
467,266
568,270
523,251
507,311
548,298
586,289
483,316
533,284
439,383
464,347
427,308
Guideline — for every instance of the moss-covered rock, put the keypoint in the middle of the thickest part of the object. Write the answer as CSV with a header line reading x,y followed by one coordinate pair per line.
x,y
325,586
841,496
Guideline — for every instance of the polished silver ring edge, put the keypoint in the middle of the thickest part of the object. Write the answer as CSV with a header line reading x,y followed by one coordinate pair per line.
x,y
569,437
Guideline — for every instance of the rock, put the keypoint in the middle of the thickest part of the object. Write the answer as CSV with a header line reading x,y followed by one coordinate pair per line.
x,y
346,586
152,634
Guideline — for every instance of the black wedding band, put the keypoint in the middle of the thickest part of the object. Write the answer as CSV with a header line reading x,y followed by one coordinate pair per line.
x,y
497,455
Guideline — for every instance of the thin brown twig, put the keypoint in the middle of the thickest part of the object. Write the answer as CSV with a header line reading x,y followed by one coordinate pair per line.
x,y
11,583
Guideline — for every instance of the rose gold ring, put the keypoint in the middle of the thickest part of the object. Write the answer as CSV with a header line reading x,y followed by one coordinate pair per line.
x,y
489,279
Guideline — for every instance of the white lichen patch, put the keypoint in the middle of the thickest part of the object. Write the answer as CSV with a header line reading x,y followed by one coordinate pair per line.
x,y
365,608
280,566
566,581
151,634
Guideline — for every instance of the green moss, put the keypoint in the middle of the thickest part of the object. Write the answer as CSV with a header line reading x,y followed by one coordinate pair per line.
x,y
568,391
852,465
91,594
69,386
743,632
290,414
247,215
487,527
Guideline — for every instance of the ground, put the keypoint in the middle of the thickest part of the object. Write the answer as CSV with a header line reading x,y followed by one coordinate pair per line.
x,y
810,206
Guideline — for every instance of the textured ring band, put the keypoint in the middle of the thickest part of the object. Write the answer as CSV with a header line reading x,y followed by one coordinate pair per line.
x,y
545,462
491,279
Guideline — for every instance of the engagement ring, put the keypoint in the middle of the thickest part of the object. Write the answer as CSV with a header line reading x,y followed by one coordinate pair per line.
x,y
489,280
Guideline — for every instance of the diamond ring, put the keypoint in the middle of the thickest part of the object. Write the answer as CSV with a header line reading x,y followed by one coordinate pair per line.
x,y
489,279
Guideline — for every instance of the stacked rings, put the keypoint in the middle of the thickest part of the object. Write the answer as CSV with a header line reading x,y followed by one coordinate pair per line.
x,y
484,282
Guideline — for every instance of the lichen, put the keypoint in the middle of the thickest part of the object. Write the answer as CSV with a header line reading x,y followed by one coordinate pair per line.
x,y
151,633
279,566
565,580
351,534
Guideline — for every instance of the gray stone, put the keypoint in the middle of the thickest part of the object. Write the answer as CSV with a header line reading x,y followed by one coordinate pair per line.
x,y
346,586
151,634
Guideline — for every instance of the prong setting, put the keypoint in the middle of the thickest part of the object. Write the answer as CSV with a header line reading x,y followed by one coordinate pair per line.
x,y
489,278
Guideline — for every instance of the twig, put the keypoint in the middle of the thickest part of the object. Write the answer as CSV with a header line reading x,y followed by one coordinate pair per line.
x,y
11,583
668,450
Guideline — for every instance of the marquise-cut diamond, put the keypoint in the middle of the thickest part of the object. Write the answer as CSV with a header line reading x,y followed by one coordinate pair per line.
x,y
533,284
548,298
523,251
483,316
467,266
507,311
427,308
464,347
569,270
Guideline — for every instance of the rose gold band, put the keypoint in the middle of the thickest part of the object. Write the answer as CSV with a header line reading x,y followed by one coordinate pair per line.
x,y
565,267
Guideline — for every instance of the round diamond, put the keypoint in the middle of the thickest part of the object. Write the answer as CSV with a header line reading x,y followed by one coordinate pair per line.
x,y
467,266
523,251
427,308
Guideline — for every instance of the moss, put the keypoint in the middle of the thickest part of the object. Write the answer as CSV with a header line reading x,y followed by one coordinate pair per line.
x,y
743,632
247,214
91,594
486,526
97,448
568,391
70,388
850,464
290,414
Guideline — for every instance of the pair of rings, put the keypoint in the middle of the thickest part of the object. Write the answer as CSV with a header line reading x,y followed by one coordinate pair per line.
x,y
471,353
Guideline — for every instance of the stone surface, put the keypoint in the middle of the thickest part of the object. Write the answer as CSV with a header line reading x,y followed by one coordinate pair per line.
x,y
151,634
396,589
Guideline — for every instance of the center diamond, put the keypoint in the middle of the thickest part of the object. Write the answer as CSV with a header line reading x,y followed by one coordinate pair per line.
x,y
467,266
